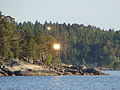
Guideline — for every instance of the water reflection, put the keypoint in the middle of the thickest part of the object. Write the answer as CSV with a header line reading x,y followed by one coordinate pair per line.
x,y
56,79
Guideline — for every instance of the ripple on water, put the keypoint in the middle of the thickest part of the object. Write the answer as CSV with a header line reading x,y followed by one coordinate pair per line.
x,y
109,82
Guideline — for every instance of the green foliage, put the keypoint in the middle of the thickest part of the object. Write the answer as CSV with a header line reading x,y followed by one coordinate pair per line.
x,y
48,59
7,28
80,44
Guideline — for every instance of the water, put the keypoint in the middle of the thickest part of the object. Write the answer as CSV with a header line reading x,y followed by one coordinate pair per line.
x,y
109,82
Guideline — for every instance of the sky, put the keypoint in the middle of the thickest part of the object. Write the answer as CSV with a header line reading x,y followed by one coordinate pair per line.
x,y
101,13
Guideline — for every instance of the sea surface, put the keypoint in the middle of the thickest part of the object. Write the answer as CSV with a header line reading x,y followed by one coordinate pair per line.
x,y
108,82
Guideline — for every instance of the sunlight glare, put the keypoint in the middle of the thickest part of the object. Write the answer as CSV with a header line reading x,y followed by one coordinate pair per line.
x,y
56,46
48,28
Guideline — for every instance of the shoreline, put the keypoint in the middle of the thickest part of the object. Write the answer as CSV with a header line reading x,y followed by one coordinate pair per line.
x,y
29,72
21,68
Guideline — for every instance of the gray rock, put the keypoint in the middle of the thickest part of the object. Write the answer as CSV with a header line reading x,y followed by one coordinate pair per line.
x,y
92,70
6,71
11,62
2,73
82,67
17,73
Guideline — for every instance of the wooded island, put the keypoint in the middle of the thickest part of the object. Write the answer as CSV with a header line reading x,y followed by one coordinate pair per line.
x,y
33,43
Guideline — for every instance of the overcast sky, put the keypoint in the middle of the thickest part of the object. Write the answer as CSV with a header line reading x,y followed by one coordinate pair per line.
x,y
101,13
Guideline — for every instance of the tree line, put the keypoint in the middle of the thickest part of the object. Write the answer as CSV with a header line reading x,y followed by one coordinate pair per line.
x,y
80,44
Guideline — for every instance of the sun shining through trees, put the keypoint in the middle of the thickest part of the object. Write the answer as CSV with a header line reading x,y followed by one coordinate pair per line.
x,y
48,28
56,46
79,44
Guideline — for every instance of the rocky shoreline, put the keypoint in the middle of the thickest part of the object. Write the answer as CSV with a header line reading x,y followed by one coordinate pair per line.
x,y
6,72
20,68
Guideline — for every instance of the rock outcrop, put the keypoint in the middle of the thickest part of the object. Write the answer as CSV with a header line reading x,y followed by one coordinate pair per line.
x,y
82,70
19,68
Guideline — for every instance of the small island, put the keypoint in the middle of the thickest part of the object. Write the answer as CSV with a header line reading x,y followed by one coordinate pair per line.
x,y
28,49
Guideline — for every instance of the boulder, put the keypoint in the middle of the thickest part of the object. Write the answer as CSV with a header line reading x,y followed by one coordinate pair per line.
x,y
7,72
82,67
29,70
17,73
22,73
94,71
30,61
2,73
72,70
11,62
14,63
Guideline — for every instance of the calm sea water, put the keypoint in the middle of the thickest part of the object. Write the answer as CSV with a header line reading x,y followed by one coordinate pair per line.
x,y
109,82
